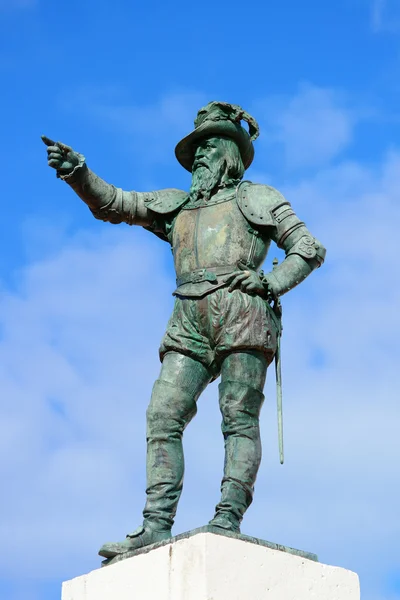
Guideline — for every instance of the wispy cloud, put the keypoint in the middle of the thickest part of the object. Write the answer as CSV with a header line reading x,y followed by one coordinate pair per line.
x,y
78,355
56,405
16,4
342,417
385,16
151,130
308,129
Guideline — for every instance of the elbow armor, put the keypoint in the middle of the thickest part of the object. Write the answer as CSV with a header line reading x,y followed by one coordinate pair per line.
x,y
308,247
294,237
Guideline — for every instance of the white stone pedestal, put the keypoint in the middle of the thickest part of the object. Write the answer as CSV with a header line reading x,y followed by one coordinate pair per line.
x,y
206,566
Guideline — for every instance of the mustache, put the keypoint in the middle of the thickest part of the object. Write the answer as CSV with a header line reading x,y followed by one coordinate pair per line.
x,y
200,162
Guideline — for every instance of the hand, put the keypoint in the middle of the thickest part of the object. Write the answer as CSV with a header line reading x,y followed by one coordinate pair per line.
x,y
270,286
247,279
60,157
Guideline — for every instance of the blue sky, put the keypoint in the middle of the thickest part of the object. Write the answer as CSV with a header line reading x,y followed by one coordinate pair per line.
x,y
84,304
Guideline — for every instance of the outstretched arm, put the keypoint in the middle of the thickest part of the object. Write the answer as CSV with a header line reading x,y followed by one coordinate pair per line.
x,y
105,201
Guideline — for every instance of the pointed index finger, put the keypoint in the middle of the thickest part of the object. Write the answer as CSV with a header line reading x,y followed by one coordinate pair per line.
x,y
47,141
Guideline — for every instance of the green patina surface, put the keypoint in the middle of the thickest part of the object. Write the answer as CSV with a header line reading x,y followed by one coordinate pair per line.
x,y
226,320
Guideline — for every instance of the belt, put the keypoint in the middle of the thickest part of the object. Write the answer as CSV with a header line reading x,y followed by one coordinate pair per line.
x,y
210,274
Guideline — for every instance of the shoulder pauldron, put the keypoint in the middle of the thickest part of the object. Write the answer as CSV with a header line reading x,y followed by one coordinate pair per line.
x,y
166,201
261,204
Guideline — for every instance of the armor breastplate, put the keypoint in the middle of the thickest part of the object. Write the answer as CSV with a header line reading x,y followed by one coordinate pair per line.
x,y
214,236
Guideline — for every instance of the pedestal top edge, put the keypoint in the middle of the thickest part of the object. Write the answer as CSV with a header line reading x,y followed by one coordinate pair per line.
x,y
216,531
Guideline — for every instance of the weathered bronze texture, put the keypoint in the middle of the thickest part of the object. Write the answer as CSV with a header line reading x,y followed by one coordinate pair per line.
x,y
226,319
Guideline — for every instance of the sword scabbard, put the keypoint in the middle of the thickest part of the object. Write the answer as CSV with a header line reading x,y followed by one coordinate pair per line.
x,y
278,373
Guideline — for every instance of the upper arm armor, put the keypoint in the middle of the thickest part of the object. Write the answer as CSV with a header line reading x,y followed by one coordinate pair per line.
x,y
286,222
264,205
160,207
138,208
259,202
166,201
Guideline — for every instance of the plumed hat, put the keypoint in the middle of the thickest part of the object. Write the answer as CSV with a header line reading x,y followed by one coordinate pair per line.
x,y
219,119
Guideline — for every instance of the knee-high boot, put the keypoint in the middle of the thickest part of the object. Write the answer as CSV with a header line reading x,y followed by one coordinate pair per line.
x,y
240,407
171,409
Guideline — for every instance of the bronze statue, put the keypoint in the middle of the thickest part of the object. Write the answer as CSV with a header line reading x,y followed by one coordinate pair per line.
x,y
226,319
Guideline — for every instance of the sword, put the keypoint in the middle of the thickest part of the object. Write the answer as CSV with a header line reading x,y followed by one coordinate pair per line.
x,y
277,308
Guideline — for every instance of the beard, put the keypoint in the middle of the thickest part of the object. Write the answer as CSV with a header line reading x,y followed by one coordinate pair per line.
x,y
205,178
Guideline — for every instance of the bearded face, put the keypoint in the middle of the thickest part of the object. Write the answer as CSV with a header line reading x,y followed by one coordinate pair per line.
x,y
207,171
217,163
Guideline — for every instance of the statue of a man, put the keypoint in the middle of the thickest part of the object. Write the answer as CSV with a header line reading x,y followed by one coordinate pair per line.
x,y
223,323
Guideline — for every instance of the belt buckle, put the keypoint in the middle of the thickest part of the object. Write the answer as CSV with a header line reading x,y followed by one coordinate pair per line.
x,y
198,276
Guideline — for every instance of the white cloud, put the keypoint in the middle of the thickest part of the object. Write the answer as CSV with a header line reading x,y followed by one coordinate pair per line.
x,y
308,129
67,384
78,355
343,419
82,331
